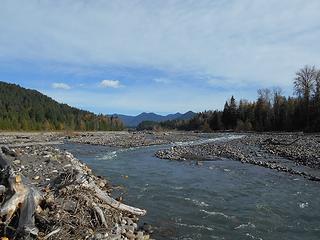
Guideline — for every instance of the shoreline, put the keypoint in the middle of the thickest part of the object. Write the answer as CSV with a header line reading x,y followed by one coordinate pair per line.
x,y
295,147
291,152
133,139
69,209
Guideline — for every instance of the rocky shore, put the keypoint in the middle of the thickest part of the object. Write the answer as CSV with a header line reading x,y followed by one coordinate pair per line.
x,y
296,154
121,139
73,202
132,139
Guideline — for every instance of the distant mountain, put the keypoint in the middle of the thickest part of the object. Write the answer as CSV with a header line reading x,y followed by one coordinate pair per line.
x,y
186,116
134,121
26,109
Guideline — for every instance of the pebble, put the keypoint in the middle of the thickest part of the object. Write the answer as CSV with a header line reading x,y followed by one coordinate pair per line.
x,y
114,237
123,222
130,228
69,206
140,236
129,221
135,225
36,178
17,162
147,228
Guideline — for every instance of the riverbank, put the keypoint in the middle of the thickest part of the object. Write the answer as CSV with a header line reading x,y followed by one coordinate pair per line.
x,y
292,153
121,139
73,203
126,139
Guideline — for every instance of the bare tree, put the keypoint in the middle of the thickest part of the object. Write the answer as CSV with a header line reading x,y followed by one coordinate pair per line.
x,y
277,91
317,86
304,85
265,95
304,82
276,94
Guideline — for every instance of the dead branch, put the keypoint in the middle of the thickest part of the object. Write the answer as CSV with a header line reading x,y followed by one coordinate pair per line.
x,y
52,233
100,214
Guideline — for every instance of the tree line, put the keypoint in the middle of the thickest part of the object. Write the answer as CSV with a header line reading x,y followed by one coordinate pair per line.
x,y
272,111
29,110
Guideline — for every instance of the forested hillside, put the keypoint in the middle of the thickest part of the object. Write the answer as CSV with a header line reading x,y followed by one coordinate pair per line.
x,y
272,111
24,109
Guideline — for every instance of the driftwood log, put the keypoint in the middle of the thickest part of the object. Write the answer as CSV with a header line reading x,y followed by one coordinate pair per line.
x,y
19,195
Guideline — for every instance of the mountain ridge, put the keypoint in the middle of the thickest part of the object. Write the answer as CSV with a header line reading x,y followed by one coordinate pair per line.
x,y
134,121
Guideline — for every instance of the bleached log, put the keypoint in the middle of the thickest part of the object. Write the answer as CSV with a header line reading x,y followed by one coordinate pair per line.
x,y
24,197
87,182
103,196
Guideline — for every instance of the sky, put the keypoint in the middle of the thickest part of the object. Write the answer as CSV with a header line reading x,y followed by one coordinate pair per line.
x,y
162,56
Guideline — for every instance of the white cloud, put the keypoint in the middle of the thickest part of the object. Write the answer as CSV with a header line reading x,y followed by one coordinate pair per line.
x,y
63,86
110,84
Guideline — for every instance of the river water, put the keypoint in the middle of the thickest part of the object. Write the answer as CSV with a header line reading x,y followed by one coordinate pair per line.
x,y
220,199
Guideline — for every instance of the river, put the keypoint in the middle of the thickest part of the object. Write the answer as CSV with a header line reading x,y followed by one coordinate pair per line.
x,y
220,199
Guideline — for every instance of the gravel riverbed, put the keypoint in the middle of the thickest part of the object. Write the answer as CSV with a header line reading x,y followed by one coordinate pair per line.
x,y
127,139
293,153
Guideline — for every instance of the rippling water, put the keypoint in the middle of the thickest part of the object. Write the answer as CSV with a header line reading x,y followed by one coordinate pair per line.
x,y
221,199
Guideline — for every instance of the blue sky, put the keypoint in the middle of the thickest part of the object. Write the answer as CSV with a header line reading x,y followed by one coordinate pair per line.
x,y
163,56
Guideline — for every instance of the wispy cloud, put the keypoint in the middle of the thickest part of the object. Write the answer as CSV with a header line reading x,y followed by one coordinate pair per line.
x,y
162,80
110,84
251,44
63,86
248,40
